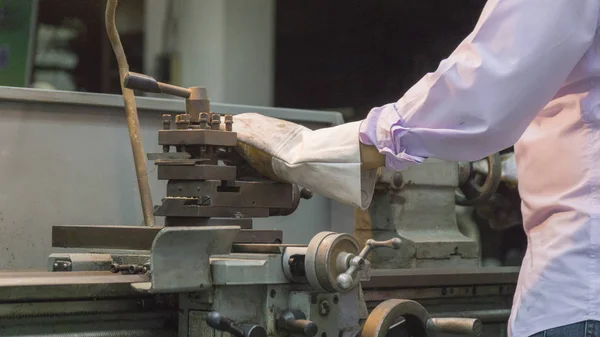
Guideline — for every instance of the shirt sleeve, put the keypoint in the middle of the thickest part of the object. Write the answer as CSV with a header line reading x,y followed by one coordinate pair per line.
x,y
484,95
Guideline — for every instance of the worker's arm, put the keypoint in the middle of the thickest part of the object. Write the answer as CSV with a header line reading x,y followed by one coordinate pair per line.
x,y
481,99
326,161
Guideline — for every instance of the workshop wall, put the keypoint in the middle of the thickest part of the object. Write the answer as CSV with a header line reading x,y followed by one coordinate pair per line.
x,y
227,46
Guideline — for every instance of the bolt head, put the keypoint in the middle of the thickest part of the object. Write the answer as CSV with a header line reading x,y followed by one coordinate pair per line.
x,y
397,180
324,308
183,118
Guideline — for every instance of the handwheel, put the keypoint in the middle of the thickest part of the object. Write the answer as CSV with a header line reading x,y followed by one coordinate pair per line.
x,y
396,318
476,194
406,318
326,257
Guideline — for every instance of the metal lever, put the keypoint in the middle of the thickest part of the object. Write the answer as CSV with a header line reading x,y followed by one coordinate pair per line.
x,y
218,322
347,279
295,321
221,323
147,83
196,98
463,326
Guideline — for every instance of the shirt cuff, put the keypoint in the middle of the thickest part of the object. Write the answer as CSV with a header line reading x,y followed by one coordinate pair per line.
x,y
384,129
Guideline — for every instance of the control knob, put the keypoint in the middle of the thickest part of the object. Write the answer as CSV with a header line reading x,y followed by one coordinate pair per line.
x,y
356,263
295,322
218,322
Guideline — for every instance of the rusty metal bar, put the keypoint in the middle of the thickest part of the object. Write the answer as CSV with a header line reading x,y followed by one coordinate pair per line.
x,y
138,237
133,122
22,286
432,277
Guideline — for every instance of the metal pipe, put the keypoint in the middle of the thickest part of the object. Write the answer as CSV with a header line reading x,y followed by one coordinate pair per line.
x,y
484,315
133,122
455,325
440,277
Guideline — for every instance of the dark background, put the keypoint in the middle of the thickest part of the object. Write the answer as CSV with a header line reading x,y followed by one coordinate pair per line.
x,y
360,54
329,54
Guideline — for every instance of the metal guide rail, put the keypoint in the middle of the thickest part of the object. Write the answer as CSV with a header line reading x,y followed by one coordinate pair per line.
x,y
93,296
429,277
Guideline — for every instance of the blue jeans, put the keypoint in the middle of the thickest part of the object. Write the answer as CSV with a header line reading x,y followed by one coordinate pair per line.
x,y
581,329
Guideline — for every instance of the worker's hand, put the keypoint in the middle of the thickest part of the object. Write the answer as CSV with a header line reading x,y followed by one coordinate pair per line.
x,y
326,161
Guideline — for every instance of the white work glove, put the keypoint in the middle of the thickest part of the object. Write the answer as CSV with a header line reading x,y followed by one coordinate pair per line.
x,y
326,161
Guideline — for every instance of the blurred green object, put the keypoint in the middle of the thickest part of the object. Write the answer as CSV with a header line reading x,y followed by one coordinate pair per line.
x,y
17,30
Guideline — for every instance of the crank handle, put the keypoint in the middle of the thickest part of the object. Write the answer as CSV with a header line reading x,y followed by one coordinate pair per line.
x,y
348,279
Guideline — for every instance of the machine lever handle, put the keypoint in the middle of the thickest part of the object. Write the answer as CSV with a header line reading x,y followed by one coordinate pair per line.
x,y
372,244
147,83
218,322
347,279
462,326
295,321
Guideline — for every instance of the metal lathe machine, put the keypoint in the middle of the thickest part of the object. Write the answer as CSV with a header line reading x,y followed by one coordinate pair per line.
x,y
412,266
423,261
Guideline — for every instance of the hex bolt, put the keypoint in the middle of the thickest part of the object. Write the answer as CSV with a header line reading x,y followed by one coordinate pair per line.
x,y
203,120
228,123
167,119
205,200
215,122
324,308
183,121
61,266
397,180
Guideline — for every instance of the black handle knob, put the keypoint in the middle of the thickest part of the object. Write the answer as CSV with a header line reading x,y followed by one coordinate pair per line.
x,y
295,322
147,83
218,322
305,193
141,82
